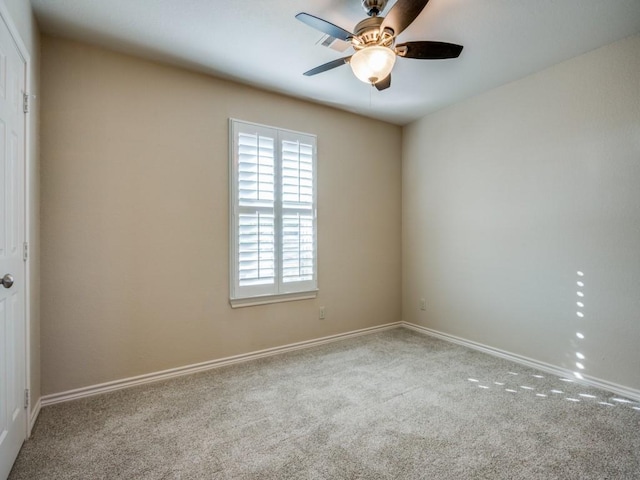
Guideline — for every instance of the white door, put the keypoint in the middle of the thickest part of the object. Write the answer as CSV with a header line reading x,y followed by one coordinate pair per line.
x,y
12,266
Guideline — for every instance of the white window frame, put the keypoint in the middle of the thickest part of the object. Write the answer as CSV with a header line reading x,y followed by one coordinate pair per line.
x,y
242,296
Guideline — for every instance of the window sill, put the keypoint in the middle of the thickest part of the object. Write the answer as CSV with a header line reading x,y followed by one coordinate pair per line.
x,y
266,299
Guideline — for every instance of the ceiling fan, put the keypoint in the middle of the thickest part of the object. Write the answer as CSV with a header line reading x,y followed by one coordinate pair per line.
x,y
374,41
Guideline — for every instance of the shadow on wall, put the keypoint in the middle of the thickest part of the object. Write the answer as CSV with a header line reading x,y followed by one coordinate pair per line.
x,y
542,387
579,335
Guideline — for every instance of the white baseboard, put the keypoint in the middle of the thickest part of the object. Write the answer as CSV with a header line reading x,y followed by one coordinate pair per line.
x,y
200,367
529,362
33,416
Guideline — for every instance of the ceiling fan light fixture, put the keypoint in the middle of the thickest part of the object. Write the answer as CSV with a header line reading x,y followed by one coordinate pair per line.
x,y
373,64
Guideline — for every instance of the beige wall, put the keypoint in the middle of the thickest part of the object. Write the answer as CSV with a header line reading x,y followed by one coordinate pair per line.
x,y
135,220
22,17
507,195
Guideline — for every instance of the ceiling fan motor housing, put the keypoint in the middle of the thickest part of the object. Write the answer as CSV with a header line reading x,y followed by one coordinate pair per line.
x,y
373,7
368,33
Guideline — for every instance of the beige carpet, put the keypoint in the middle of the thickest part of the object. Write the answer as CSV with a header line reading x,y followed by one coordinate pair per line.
x,y
393,405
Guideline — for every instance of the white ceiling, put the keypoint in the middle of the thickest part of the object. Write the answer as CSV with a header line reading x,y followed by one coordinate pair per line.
x,y
261,43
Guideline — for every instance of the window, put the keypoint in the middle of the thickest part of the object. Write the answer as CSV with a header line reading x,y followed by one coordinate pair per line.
x,y
273,215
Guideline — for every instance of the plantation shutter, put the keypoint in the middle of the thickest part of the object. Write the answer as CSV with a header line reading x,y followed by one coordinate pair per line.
x,y
273,227
298,211
255,209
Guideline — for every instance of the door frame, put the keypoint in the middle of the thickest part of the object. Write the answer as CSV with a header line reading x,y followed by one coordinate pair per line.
x,y
5,16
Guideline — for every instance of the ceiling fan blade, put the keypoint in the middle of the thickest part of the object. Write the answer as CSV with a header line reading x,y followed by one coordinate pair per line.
x,y
402,14
327,66
384,84
429,50
324,26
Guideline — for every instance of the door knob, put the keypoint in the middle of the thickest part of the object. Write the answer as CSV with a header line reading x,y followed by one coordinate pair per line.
x,y
7,281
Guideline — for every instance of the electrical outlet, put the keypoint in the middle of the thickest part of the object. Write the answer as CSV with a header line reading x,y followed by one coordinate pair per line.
x,y
423,304
322,313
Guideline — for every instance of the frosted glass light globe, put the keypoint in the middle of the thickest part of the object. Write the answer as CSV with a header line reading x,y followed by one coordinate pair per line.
x,y
372,64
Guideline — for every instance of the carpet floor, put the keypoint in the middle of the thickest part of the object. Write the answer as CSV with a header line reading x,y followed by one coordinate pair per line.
x,y
391,405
